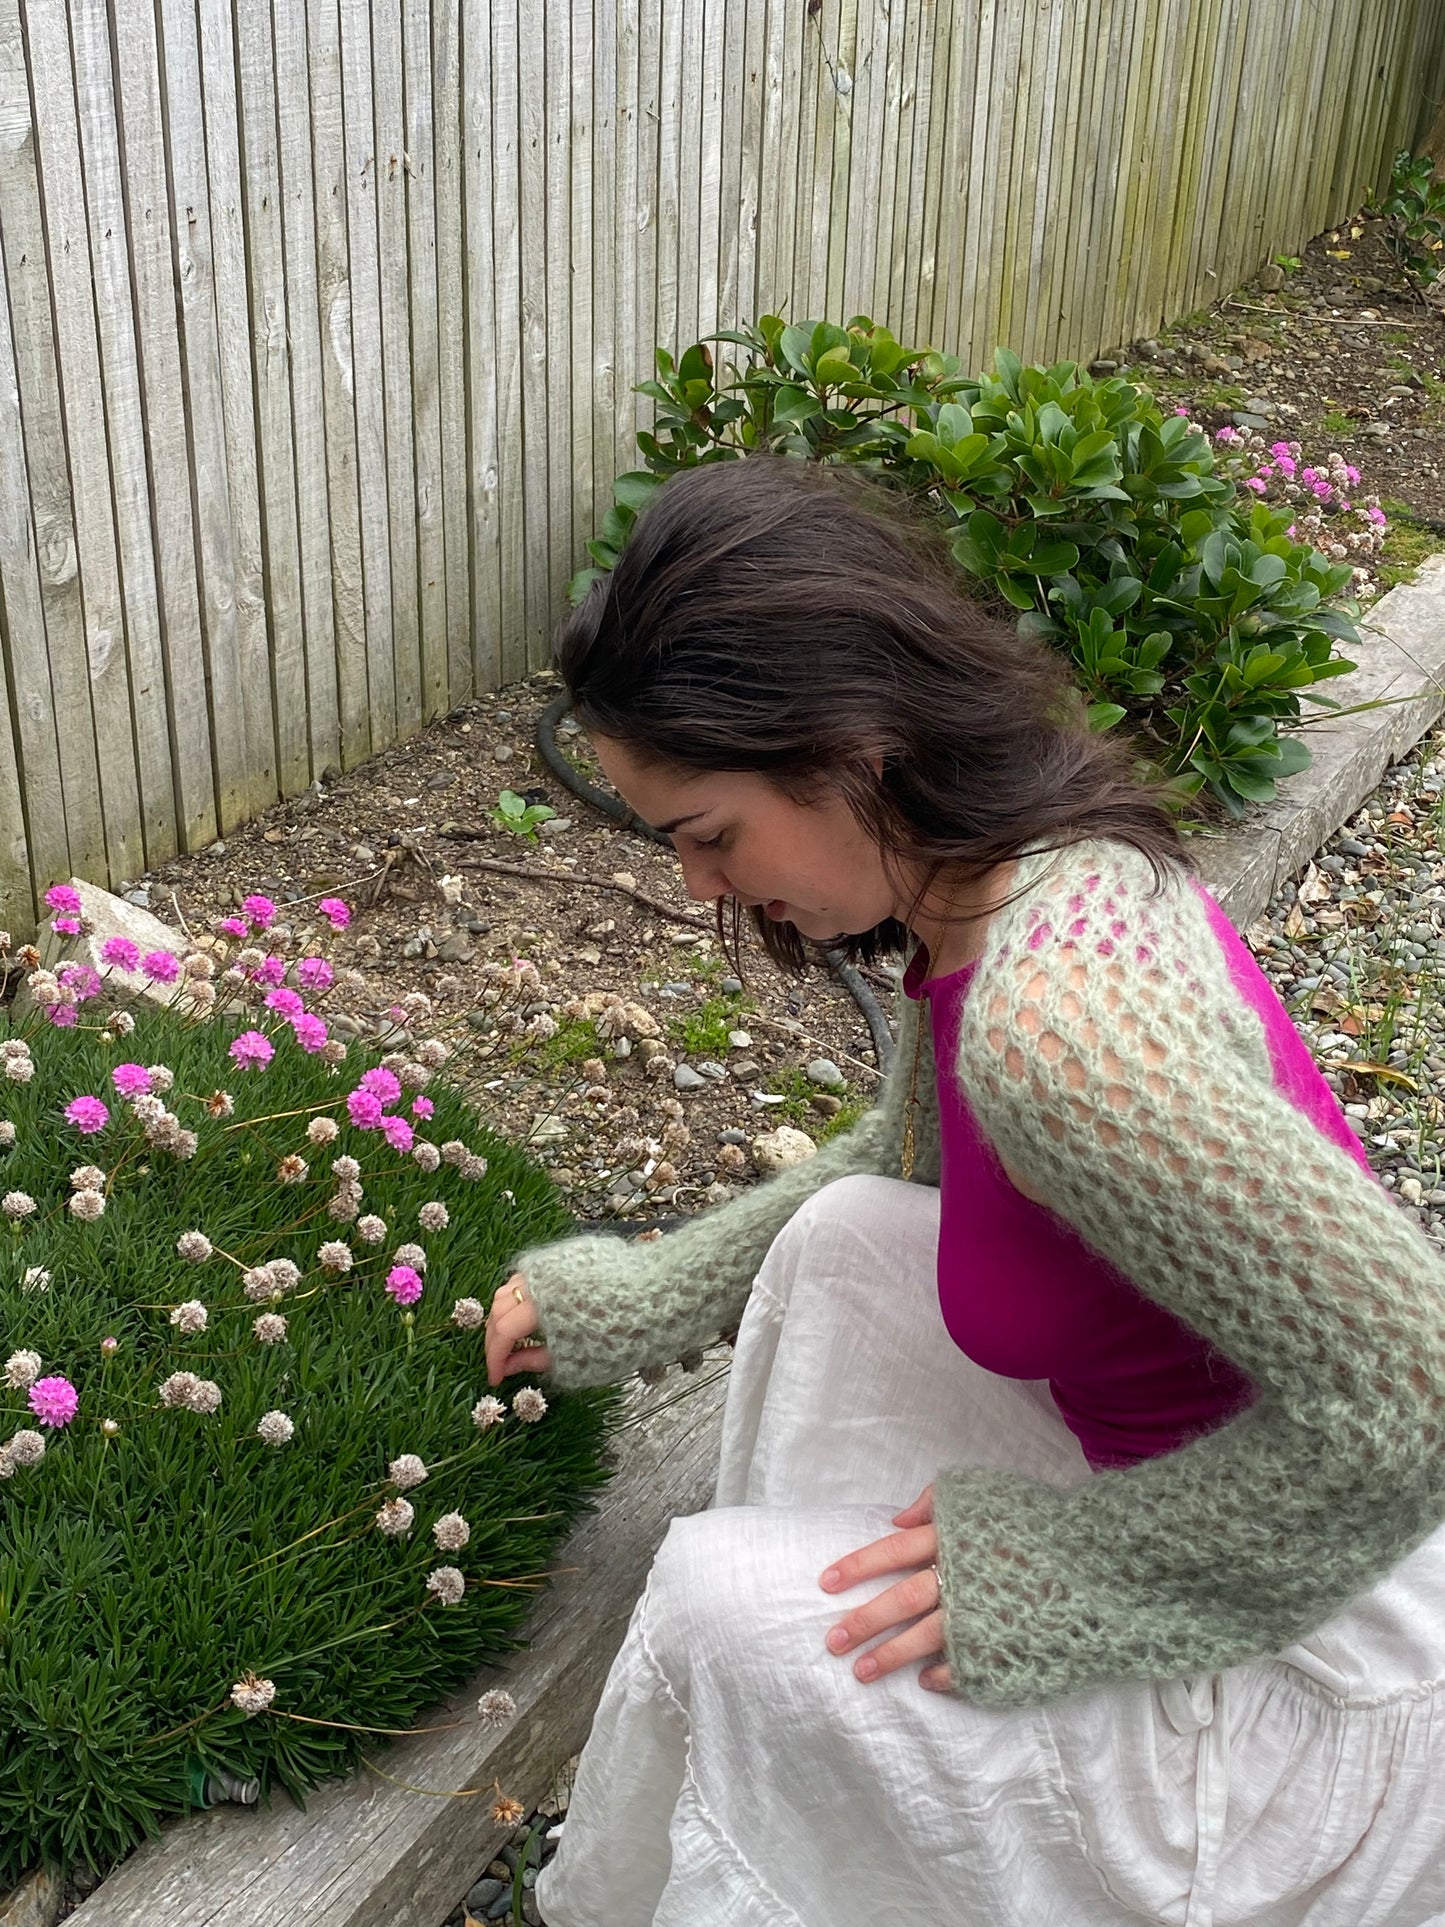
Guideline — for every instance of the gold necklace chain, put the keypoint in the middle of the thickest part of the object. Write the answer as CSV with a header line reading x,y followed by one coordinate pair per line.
x,y
906,1161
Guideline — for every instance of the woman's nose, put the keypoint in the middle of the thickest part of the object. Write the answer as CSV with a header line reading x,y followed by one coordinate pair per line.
x,y
703,882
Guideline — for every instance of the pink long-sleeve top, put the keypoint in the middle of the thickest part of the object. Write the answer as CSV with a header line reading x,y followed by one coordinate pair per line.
x,y
1024,1296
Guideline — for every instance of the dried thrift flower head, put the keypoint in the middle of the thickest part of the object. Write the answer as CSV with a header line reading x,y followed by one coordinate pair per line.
x,y
206,1398
36,1278
323,1130
27,1448
496,1707
179,1389
395,1517
487,1412
17,1205
412,1255
194,1246
448,1585
87,1177
183,1145
87,1205
333,1051
253,1695
472,1168
434,1216
467,1314
198,964
121,1022
371,1228
426,1154
220,1104
259,1283
286,1274
190,1318
22,1369
7,1134
203,995
432,1053
451,1532
19,1070
347,1170
274,1428
406,1471
270,1328
334,1256
344,1206
291,1169
529,1404
162,1077
453,1151
507,1811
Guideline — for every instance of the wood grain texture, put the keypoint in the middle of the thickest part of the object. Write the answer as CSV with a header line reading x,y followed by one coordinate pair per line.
x,y
369,1853
327,316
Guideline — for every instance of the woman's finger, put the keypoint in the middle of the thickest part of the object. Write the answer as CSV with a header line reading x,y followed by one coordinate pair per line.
x,y
913,1548
923,1641
937,1678
534,1358
919,1513
918,1594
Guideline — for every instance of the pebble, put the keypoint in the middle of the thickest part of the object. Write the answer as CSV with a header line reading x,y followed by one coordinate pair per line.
x,y
739,1039
745,1068
484,1893
710,1068
824,1071
503,752
685,1078
730,986
732,1136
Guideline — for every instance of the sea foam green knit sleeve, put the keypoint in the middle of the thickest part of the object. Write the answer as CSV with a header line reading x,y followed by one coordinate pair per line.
x,y
609,1307
1113,1066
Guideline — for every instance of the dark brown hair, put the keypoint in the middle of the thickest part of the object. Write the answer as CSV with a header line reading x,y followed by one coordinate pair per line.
x,y
793,619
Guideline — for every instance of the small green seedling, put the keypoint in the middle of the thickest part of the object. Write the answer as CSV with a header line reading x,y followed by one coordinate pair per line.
x,y
516,814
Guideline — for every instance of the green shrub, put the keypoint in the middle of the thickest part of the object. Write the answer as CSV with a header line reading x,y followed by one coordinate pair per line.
x,y
1414,213
179,1535
1183,605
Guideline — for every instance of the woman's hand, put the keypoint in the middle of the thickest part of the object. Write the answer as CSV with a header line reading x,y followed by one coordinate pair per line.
x,y
915,1546
513,1316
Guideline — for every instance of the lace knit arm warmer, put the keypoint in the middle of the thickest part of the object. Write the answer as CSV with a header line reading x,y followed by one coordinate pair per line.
x,y
609,1307
1112,1064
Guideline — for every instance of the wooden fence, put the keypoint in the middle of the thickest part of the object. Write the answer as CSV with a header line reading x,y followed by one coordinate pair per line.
x,y
322,317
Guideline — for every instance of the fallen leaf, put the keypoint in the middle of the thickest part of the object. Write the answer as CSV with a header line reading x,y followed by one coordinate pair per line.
x,y
1339,254
1295,921
273,836
1385,1071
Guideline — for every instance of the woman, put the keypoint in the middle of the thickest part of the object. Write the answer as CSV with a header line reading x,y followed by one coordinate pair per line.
x,y
1101,1292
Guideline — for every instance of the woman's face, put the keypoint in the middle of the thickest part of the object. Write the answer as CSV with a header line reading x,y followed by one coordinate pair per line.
x,y
813,865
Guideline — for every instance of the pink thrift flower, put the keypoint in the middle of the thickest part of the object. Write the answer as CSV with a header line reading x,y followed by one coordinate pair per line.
x,y
315,973
402,1282
1292,533
270,970
160,966
1256,484
310,1032
287,1002
131,1079
251,1051
1226,434
397,1132
120,952
261,910
54,1401
80,980
1352,475
1377,516
87,1114
61,1015
422,1107
60,896
233,927
364,1109
382,1083
65,926
335,911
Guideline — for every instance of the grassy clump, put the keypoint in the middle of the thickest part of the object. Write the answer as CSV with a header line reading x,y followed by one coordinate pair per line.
x,y
155,1556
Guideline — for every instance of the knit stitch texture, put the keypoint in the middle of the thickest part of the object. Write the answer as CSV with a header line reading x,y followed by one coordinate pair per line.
x,y
1109,1059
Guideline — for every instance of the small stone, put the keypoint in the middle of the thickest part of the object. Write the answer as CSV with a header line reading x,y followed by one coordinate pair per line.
x,y
1244,418
732,1136
730,986
1259,404
503,752
414,947
501,1907
531,1913
710,1068
824,1071
455,950
443,780
745,1068
589,954
781,1149
483,1894
140,898
1103,367
826,1103
676,990
739,1039
1270,277
555,825
685,1078
499,1870
216,849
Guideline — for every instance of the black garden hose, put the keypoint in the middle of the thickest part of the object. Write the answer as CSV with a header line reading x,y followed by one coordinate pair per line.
x,y
622,813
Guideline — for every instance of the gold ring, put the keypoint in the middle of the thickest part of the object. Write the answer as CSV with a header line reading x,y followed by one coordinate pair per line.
x,y
517,1292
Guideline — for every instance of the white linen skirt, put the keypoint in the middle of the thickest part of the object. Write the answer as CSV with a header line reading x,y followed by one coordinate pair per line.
x,y
737,1774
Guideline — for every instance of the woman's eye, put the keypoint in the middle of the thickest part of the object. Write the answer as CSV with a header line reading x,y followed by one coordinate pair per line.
x,y
712,842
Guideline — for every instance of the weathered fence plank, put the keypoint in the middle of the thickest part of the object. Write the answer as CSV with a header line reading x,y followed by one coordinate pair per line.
x,y
356,295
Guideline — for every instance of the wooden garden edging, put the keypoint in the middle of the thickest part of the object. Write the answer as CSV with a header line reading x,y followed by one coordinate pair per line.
x,y
367,1853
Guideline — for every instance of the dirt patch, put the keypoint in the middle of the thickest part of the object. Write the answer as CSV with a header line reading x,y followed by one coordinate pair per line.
x,y
1344,353
404,838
